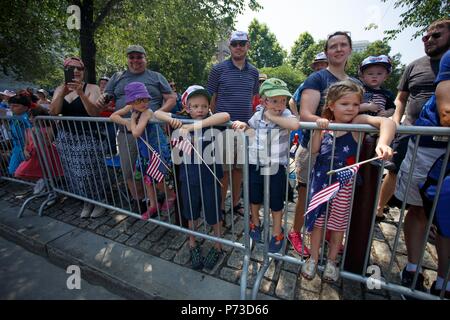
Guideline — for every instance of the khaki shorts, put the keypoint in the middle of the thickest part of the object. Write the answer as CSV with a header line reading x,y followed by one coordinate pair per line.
x,y
301,165
233,160
425,158
128,153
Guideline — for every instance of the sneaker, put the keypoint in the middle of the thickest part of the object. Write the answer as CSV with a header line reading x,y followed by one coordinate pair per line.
x,y
98,212
87,209
295,238
276,242
39,186
309,269
255,232
196,258
407,278
211,258
150,213
331,272
437,292
168,205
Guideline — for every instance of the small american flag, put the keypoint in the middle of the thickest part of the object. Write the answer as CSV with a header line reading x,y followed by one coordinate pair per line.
x,y
182,144
156,168
343,177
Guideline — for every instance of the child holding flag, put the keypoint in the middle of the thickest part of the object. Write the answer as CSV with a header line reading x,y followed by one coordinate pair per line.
x,y
341,106
153,146
200,182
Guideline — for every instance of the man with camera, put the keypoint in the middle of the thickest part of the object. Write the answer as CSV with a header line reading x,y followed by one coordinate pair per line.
x,y
162,99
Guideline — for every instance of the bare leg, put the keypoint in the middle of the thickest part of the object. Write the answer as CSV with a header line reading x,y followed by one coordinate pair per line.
x,y
224,189
217,233
192,243
299,218
387,191
255,213
237,181
316,239
277,221
136,190
415,225
335,244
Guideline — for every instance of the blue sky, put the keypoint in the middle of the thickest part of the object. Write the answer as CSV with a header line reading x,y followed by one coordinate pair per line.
x,y
288,18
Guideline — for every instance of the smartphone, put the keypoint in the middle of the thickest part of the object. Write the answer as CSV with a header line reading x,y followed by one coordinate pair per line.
x,y
69,74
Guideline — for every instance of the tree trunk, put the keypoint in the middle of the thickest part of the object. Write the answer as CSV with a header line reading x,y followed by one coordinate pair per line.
x,y
87,43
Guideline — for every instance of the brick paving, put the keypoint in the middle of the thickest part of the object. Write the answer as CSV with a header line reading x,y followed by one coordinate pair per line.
x,y
281,280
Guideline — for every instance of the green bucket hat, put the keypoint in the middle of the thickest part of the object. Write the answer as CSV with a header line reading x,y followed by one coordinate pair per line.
x,y
274,87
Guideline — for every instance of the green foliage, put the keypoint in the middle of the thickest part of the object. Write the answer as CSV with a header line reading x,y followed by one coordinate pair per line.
x,y
303,42
307,57
419,14
285,72
377,48
179,36
265,51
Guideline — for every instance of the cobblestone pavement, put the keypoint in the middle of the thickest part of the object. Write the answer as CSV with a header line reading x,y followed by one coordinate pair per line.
x,y
281,280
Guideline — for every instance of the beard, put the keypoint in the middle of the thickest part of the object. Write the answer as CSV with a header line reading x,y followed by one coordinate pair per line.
x,y
438,50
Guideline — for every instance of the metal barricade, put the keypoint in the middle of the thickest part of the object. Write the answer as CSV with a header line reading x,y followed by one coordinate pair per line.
x,y
386,278
92,174
19,147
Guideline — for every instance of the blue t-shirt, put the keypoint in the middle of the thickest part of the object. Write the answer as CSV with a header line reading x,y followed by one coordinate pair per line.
x,y
234,88
191,172
156,138
429,116
320,81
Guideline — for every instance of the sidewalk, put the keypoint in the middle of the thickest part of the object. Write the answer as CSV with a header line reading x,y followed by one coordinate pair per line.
x,y
138,259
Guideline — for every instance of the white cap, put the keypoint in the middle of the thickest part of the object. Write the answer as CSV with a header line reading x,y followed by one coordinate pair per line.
x,y
239,36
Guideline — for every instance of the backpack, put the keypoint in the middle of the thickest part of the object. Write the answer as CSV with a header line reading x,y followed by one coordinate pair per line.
x,y
428,193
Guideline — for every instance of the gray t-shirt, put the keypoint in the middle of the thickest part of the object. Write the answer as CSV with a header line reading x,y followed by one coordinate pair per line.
x,y
418,80
155,83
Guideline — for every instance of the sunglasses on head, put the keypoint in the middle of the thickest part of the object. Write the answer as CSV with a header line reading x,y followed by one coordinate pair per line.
x,y
139,57
241,43
79,68
434,35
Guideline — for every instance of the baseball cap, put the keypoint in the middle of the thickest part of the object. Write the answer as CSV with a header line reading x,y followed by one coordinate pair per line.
x,y
43,92
262,77
374,60
136,48
321,56
194,90
274,87
239,36
8,93
134,91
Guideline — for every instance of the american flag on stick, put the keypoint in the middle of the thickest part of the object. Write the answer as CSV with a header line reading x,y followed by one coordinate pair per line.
x,y
156,169
182,144
322,196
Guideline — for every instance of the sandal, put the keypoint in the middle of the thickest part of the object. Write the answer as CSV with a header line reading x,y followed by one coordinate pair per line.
x,y
239,209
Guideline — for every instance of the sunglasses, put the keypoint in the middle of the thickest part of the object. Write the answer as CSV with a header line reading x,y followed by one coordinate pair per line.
x,y
241,43
136,57
434,35
77,67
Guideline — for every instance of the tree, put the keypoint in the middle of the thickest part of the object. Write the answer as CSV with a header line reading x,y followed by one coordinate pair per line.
x,y
285,72
303,42
419,14
265,51
180,36
307,57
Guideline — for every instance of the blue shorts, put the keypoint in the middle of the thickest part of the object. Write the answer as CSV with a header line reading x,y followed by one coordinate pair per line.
x,y
277,187
192,202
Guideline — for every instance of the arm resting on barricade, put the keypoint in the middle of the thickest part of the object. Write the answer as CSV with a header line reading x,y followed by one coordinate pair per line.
x,y
117,117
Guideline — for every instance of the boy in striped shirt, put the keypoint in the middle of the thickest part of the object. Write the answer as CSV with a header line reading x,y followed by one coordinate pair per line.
x,y
377,101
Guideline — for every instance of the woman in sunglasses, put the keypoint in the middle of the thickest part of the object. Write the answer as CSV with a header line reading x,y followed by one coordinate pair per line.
x,y
78,142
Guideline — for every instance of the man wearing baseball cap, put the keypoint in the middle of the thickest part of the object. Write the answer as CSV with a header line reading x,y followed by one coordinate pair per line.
x,y
237,76
162,99
320,62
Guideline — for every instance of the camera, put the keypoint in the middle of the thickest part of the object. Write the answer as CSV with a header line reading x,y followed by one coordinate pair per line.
x,y
108,98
